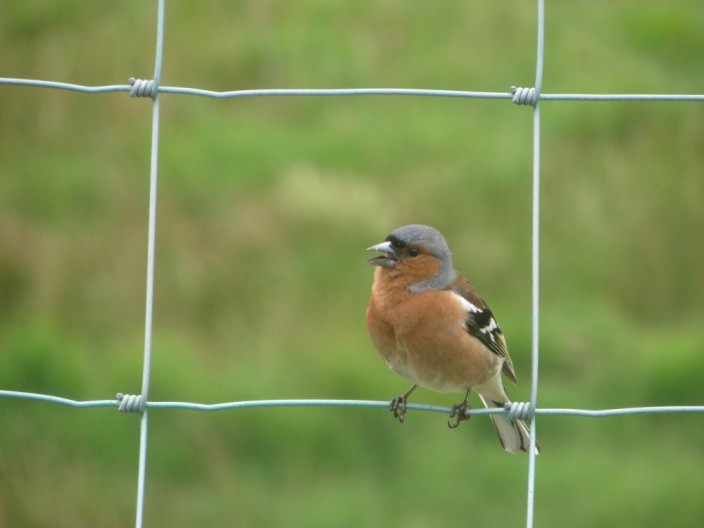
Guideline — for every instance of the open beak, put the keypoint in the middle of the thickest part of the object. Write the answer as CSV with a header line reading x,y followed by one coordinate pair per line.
x,y
387,260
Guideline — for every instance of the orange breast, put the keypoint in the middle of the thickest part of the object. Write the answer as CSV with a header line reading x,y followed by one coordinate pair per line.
x,y
422,337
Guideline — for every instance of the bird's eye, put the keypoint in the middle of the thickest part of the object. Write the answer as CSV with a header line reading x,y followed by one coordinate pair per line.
x,y
413,252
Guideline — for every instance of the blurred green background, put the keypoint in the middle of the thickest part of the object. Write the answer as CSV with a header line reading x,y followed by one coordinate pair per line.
x,y
265,208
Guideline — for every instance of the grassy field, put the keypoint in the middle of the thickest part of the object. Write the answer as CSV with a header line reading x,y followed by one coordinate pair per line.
x,y
265,208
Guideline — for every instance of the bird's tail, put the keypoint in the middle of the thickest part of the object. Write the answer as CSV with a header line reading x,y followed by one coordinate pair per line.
x,y
513,435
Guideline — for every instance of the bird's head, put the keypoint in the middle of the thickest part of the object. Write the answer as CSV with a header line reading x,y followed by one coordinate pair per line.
x,y
418,255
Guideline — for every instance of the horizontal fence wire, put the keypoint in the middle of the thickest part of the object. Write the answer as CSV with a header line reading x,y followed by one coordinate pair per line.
x,y
374,404
318,92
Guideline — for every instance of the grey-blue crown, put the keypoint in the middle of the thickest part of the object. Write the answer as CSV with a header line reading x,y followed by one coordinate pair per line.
x,y
426,236
434,243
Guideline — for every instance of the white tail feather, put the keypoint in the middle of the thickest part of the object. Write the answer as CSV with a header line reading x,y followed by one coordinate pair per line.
x,y
513,435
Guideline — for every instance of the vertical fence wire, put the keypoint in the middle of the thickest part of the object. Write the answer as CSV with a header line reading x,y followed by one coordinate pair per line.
x,y
535,295
151,251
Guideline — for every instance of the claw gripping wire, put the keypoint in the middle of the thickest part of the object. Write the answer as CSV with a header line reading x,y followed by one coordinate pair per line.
x,y
142,88
525,96
519,411
130,403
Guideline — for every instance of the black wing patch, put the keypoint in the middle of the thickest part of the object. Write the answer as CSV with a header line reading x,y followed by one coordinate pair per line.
x,y
480,323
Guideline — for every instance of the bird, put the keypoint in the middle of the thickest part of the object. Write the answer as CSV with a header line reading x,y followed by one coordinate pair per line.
x,y
431,327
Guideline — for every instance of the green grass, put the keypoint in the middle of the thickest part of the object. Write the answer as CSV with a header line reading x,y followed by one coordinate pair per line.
x,y
265,208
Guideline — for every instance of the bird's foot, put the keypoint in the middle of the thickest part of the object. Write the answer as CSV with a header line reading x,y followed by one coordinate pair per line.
x,y
459,413
398,404
398,407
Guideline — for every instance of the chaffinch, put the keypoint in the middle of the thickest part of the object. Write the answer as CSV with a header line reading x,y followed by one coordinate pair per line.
x,y
432,327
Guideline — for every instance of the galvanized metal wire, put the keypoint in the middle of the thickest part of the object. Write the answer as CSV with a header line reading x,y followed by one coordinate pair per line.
x,y
535,264
372,404
517,95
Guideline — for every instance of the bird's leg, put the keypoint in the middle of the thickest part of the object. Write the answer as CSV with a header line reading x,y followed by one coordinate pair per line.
x,y
398,404
459,412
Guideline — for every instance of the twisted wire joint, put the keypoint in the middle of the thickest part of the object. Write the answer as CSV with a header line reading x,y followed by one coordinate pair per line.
x,y
142,88
525,96
130,403
519,411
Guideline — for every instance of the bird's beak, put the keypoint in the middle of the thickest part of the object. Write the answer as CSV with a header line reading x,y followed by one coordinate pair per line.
x,y
387,260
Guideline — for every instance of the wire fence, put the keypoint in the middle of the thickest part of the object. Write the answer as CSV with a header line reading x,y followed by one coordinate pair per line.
x,y
522,96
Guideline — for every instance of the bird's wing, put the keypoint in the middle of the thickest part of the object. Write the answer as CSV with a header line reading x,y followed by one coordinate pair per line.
x,y
480,323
